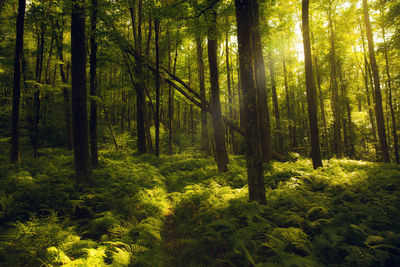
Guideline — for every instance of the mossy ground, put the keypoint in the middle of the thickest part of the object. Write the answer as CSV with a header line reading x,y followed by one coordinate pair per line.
x,y
178,211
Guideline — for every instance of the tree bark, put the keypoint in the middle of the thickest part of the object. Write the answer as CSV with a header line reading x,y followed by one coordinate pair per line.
x,y
205,143
157,113
311,90
93,85
278,125
380,121
83,168
337,136
66,94
260,83
219,138
15,155
254,157
392,112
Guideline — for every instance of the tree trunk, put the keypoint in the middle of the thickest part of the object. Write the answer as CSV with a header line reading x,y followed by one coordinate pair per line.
x,y
260,83
311,90
15,155
337,136
219,138
278,126
254,157
392,112
380,121
93,85
83,169
66,94
157,115
231,132
140,97
205,143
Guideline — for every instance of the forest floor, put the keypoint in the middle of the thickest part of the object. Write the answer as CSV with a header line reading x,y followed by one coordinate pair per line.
x,y
178,211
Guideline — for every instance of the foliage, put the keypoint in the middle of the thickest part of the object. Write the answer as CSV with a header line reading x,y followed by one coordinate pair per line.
x,y
178,211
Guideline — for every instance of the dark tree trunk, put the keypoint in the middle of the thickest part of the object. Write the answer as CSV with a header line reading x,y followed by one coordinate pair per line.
x,y
311,90
260,83
205,144
83,169
93,85
337,136
250,122
392,112
228,77
157,114
170,101
140,97
380,121
219,138
15,156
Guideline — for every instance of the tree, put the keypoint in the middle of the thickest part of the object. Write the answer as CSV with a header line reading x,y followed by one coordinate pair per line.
x,y
19,42
83,168
337,135
260,80
311,90
157,115
216,115
254,157
380,121
93,85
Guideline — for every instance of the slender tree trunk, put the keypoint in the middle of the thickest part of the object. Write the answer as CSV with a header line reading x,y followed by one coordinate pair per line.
x,y
170,99
34,120
392,112
337,136
380,121
228,77
140,97
15,155
254,157
260,83
219,138
321,106
93,85
311,90
66,94
83,169
205,144
287,95
278,125
157,115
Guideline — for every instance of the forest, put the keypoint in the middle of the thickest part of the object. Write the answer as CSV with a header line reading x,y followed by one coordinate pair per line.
x,y
199,133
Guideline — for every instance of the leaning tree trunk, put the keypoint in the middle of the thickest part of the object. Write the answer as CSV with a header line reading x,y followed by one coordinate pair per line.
x,y
250,122
380,121
83,168
311,90
15,156
219,138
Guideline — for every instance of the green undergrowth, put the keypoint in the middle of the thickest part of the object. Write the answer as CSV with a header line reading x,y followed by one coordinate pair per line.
x,y
178,211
